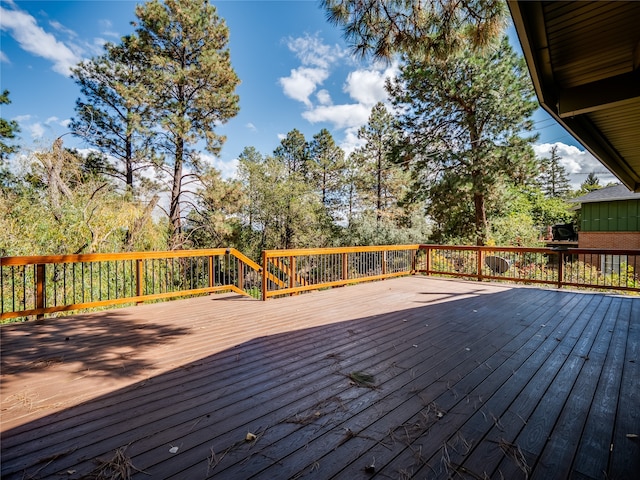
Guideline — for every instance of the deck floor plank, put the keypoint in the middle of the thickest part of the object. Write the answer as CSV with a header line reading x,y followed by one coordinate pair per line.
x,y
484,430
465,376
585,401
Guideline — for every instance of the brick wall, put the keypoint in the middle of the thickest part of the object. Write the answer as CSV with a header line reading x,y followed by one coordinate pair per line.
x,y
617,240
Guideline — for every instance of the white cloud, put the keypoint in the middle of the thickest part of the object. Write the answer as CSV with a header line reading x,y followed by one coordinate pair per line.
x,y
61,28
302,83
228,169
4,58
36,130
364,86
250,126
324,97
311,50
368,86
578,163
106,29
341,116
33,39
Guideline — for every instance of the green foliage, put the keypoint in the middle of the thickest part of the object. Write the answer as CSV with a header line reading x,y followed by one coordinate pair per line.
x,y
8,131
367,229
522,214
463,117
326,171
114,115
190,84
553,177
214,221
59,209
425,29
591,183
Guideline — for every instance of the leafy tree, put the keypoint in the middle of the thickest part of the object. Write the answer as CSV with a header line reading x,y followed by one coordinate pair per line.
x,y
59,208
293,154
114,116
553,176
523,214
463,117
190,86
8,131
419,28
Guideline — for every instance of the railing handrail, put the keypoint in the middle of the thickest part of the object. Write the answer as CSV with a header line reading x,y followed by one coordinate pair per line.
x,y
105,257
287,272
570,250
329,250
38,280
296,283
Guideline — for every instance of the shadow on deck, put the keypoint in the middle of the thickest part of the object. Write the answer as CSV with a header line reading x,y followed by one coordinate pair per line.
x,y
408,378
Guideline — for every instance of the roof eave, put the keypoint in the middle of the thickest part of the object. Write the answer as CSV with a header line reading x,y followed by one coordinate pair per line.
x,y
529,23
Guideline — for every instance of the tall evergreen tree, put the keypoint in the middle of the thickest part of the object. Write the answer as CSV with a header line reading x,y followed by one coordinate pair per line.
x,y
8,131
326,170
553,176
190,86
420,28
383,187
293,151
114,115
591,183
465,116
284,210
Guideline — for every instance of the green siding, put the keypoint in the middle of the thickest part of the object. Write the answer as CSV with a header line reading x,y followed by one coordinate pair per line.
x,y
619,216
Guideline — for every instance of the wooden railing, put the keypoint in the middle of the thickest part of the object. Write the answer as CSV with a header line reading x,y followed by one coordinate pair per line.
x,y
288,272
47,284
573,267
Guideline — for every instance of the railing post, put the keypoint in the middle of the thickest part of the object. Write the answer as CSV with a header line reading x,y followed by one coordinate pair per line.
x,y
211,272
240,275
139,279
414,254
384,262
345,266
264,276
560,268
428,260
40,289
292,271
479,264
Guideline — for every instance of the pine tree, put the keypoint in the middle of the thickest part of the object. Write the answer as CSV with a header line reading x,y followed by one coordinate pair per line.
x,y
382,186
326,170
424,29
553,176
464,116
8,131
114,114
293,151
591,183
190,86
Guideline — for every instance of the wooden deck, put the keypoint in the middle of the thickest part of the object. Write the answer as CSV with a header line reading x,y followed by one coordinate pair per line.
x,y
414,377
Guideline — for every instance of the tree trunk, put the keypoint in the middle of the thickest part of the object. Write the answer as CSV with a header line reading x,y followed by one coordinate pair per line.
x,y
175,221
481,219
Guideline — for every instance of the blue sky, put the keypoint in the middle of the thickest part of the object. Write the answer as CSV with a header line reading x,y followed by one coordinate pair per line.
x,y
295,68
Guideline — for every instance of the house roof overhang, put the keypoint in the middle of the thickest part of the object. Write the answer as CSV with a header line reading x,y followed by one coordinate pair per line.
x,y
584,60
